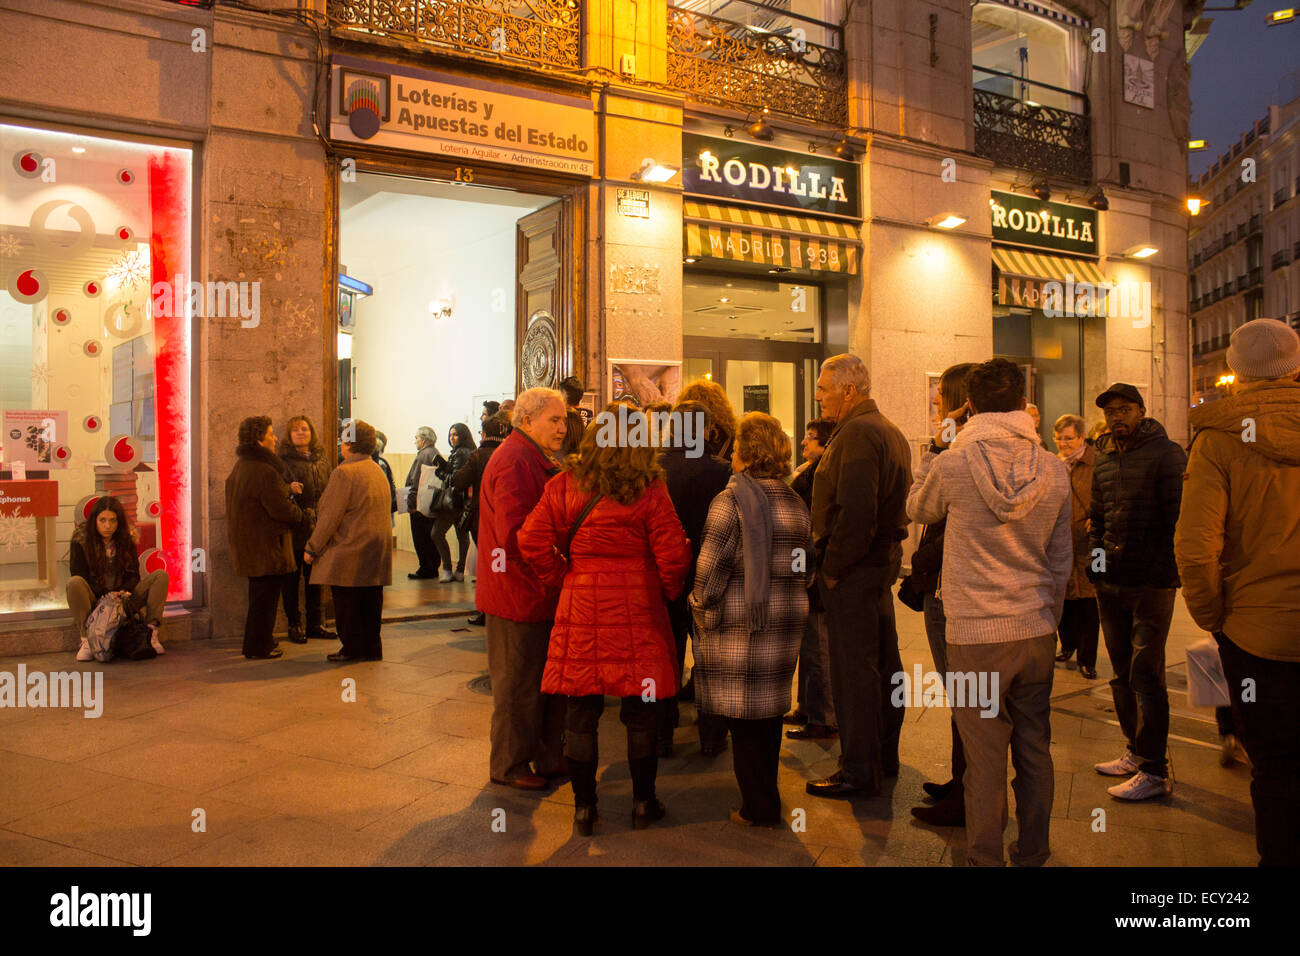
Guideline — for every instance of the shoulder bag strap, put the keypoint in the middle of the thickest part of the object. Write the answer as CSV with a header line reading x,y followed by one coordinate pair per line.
x,y
582,516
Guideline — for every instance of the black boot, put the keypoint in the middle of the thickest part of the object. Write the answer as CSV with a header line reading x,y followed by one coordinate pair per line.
x,y
646,809
582,774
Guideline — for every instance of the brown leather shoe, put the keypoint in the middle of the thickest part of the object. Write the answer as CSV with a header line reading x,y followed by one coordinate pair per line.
x,y
528,781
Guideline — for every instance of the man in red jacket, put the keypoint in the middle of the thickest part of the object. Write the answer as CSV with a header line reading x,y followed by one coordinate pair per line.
x,y
520,609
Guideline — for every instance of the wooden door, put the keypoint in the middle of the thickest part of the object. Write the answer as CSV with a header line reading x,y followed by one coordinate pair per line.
x,y
544,267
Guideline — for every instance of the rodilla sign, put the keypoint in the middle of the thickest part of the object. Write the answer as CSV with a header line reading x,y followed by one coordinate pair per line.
x,y
1026,221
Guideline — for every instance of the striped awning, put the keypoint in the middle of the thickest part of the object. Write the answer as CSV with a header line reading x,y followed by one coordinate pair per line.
x,y
1039,10
1034,265
769,237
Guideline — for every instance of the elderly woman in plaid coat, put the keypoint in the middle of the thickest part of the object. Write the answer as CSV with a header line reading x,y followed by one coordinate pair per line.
x,y
750,603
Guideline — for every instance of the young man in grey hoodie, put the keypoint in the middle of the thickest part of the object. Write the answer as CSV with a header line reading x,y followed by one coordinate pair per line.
x,y
1007,558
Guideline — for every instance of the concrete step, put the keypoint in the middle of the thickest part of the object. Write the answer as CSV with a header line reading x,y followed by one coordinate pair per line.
x,y
59,634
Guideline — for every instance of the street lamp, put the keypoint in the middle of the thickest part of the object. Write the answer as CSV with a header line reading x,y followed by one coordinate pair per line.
x,y
1281,16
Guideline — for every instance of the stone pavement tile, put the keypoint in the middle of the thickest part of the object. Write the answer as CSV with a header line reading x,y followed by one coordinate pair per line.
x,y
287,841
1190,809
320,697
462,760
462,718
357,742
1203,849
148,824
188,762
67,736
1074,843
325,791
442,658
673,843
18,849
449,685
216,715
129,699
469,821
33,783
838,856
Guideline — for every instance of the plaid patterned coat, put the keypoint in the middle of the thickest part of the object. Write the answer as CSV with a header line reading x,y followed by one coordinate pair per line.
x,y
739,674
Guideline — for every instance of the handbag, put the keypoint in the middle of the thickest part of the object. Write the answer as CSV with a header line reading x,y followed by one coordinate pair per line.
x,y
582,516
447,501
428,488
102,625
133,640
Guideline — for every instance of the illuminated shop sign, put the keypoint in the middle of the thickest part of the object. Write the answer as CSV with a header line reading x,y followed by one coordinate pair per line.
x,y
743,172
1027,221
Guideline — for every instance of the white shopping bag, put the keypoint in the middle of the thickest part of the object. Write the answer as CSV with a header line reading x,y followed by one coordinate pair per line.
x,y
1206,684
429,487
402,496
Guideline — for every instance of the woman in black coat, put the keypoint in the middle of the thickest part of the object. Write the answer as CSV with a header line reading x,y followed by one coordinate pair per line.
x,y
450,505
304,462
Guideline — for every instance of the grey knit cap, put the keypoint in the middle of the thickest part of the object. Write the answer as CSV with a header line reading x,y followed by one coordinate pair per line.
x,y
1264,348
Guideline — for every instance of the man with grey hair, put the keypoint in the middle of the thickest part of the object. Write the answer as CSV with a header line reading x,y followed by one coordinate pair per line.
x,y
859,499
519,607
426,453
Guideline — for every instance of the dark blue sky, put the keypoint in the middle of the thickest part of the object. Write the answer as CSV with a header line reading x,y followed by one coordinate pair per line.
x,y
1236,72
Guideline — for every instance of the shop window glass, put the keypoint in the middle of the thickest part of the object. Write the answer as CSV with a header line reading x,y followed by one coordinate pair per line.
x,y
95,376
1050,351
744,307
1022,55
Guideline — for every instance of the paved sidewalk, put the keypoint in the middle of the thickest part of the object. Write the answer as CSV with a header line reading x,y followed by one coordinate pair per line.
x,y
286,772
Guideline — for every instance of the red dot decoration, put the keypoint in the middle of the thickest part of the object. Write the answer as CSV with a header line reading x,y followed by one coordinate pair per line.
x,y
122,452
153,509
92,288
28,164
125,233
153,560
29,286
61,453
81,511
125,177
92,348
92,423
61,317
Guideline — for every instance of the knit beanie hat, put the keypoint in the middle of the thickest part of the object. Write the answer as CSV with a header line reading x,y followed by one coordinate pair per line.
x,y
1264,348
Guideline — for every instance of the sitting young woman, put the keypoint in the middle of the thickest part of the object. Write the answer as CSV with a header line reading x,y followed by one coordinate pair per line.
x,y
103,559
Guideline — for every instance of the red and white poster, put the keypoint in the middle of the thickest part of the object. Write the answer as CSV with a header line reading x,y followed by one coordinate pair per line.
x,y
39,439
29,499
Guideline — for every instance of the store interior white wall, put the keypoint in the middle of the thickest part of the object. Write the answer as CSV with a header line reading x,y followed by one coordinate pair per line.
x,y
414,242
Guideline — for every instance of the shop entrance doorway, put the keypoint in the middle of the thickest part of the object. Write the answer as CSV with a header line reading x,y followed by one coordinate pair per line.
x,y
437,284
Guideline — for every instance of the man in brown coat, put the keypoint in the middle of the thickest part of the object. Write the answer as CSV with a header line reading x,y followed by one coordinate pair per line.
x,y
260,518
1080,622
1238,550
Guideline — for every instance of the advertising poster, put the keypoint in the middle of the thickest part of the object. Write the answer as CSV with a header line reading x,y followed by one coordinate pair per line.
x,y
35,438
644,382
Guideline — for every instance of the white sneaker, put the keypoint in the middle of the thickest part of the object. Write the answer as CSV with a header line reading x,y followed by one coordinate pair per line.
x,y
84,653
1125,766
1141,786
459,575
445,577
153,640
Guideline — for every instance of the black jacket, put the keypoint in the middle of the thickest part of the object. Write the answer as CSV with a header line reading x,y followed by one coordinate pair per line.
x,y
469,477
313,472
124,578
693,483
388,473
1136,494
456,459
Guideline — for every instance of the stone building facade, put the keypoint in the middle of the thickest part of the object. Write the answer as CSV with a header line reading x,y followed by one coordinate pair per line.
x,y
1055,132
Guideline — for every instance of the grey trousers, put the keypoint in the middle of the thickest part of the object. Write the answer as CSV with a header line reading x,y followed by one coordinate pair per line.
x,y
526,724
815,697
150,593
1023,722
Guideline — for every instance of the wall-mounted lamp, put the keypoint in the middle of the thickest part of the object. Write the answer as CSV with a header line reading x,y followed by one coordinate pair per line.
x,y
1098,200
1042,190
1281,16
1143,250
1194,204
652,172
440,308
1195,144
844,149
946,220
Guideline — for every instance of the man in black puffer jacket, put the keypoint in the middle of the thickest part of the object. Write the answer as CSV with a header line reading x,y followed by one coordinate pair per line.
x,y
1137,488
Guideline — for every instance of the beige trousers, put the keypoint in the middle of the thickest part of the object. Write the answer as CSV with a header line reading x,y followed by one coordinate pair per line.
x,y
151,592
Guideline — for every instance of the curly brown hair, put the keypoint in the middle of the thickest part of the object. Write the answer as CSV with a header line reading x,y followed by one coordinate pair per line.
x,y
722,418
253,429
763,446
617,469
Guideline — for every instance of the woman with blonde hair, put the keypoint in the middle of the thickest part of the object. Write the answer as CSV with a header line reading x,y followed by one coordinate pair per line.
x,y
750,603
722,418
605,531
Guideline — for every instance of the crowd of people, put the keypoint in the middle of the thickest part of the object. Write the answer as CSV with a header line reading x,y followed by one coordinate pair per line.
x,y
600,561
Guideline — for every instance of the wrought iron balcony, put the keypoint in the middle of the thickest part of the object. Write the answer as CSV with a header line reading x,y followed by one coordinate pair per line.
x,y
1280,259
544,32
1280,197
731,64
1256,224
1024,134
1254,277
1241,231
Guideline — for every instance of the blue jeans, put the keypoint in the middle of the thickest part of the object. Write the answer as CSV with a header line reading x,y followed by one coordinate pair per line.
x,y
1135,622
815,698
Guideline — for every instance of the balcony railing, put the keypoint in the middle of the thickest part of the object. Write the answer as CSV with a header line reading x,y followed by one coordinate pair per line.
x,y
1280,197
1256,223
1024,134
1228,288
545,32
1241,232
719,61
1280,259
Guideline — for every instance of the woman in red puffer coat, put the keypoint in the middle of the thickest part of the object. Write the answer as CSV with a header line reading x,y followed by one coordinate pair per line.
x,y
611,635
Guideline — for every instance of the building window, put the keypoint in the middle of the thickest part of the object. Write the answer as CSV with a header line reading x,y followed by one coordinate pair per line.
x,y
95,379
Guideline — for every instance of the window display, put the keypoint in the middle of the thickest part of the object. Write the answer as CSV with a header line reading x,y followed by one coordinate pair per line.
x,y
95,381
